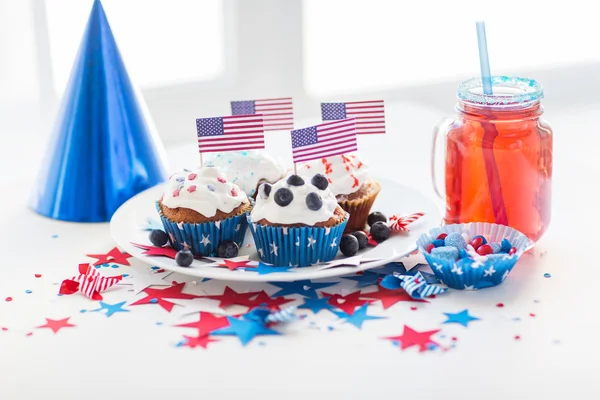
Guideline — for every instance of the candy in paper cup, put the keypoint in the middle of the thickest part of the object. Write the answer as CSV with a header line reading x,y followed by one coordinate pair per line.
x,y
296,246
203,239
475,273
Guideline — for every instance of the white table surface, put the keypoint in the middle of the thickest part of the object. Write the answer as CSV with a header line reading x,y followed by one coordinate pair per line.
x,y
127,356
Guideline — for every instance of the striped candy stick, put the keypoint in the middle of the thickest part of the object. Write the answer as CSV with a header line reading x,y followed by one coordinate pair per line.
x,y
400,224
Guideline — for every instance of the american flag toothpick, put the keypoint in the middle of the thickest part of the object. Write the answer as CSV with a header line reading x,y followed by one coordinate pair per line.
x,y
238,132
369,115
278,114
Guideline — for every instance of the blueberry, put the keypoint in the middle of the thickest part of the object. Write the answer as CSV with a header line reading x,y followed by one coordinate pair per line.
x,y
363,240
375,217
283,196
159,237
349,245
438,242
313,201
184,258
228,249
264,191
295,180
380,231
320,181
455,239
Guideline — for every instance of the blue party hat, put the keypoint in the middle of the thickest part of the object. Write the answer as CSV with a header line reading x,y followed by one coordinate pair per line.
x,y
104,149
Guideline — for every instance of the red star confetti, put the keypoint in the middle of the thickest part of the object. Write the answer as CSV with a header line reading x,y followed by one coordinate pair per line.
x,y
370,240
200,341
114,256
231,297
56,325
89,282
263,299
232,264
410,338
390,297
399,224
346,303
157,251
206,323
159,296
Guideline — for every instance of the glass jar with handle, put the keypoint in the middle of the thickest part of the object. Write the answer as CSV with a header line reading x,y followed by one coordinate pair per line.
x,y
497,157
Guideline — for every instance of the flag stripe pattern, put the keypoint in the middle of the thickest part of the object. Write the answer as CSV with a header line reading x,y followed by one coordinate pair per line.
x,y
91,283
417,287
238,132
400,224
370,115
324,140
278,114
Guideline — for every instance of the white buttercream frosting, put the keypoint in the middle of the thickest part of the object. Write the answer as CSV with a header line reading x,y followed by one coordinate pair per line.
x,y
204,190
346,173
247,168
297,212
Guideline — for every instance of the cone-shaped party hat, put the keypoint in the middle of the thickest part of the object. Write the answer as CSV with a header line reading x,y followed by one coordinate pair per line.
x,y
104,149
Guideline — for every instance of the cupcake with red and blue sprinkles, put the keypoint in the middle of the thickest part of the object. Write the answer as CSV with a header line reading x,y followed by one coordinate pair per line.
x,y
297,221
201,208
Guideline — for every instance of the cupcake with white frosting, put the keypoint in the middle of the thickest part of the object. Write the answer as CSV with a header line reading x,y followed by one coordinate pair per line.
x,y
199,209
297,221
248,169
350,182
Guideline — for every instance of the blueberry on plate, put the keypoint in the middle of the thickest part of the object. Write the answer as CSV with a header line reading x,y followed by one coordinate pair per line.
x,y
314,201
376,217
228,249
380,231
264,191
295,180
349,245
283,197
320,181
362,238
184,258
158,237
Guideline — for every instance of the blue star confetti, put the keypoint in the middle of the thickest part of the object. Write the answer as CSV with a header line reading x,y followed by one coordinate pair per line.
x,y
368,278
304,288
111,308
358,318
390,269
264,269
245,330
317,305
462,318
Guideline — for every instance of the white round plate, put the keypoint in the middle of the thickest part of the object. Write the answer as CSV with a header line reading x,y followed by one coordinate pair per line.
x,y
127,227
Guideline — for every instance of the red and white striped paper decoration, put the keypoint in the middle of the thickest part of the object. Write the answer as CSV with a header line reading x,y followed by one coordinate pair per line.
x,y
89,282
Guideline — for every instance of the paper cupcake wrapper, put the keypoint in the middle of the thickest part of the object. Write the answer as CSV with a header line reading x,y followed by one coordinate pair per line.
x,y
298,247
203,239
359,209
468,274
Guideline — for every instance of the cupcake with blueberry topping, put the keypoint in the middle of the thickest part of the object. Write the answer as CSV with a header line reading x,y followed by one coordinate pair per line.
x,y
297,221
200,209
350,182
248,169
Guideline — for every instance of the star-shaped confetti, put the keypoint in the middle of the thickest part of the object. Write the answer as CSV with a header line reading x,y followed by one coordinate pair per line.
x,y
316,305
390,269
264,300
346,261
159,296
347,303
56,324
305,288
231,297
142,278
113,256
166,251
462,318
358,318
206,323
264,269
390,297
111,308
244,329
232,264
410,338
196,341
367,278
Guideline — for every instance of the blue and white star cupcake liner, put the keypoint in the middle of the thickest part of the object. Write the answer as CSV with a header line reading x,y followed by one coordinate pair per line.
x,y
297,246
203,239
468,273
